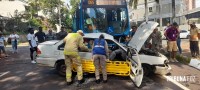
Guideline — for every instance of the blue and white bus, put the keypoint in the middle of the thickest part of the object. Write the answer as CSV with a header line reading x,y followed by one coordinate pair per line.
x,y
108,16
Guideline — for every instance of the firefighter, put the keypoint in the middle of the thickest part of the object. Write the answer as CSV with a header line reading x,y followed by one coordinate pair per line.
x,y
100,51
74,42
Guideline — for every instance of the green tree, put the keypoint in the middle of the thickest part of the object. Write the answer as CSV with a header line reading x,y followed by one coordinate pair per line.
x,y
50,16
74,4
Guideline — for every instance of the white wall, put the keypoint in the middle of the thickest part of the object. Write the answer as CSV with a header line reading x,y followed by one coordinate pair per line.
x,y
165,12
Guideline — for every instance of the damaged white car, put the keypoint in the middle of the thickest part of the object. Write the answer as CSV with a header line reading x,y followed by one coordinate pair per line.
x,y
51,54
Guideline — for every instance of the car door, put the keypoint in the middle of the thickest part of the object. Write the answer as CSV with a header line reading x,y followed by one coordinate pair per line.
x,y
134,67
136,72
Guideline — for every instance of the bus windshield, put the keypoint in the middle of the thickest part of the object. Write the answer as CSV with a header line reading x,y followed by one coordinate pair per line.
x,y
107,20
104,2
104,16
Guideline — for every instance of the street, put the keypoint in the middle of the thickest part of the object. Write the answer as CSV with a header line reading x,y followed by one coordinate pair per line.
x,y
17,73
99,24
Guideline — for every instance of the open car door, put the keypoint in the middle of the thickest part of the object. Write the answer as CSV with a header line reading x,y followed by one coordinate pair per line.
x,y
136,72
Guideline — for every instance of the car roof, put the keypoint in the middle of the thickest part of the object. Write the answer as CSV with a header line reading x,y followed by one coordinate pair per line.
x,y
50,42
96,35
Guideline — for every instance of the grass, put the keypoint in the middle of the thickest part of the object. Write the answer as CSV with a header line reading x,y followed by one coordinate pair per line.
x,y
183,59
180,58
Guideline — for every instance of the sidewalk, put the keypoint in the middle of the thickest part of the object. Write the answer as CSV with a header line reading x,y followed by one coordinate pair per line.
x,y
191,74
20,44
180,70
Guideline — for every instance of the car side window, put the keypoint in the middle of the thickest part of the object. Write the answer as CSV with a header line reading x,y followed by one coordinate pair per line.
x,y
116,53
112,45
88,42
61,46
86,55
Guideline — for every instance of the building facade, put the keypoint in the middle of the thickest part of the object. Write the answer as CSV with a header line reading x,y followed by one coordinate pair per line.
x,y
190,4
163,10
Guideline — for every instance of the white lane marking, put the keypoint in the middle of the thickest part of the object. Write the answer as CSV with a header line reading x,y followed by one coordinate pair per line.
x,y
175,82
4,73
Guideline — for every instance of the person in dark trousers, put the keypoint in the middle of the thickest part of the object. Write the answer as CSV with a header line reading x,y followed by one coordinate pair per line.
x,y
32,44
99,53
62,34
194,40
40,35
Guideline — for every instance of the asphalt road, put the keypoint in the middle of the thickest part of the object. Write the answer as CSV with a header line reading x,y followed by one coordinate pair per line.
x,y
17,73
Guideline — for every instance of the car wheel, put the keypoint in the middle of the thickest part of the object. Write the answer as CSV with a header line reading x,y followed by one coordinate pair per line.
x,y
61,68
147,69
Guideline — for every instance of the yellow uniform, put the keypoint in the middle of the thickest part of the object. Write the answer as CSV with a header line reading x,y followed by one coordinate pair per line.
x,y
73,41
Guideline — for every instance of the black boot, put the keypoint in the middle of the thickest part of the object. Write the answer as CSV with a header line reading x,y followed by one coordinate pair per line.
x,y
81,81
97,81
69,83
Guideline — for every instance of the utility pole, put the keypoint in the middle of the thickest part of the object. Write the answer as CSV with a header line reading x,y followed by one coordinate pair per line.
x,y
173,11
146,11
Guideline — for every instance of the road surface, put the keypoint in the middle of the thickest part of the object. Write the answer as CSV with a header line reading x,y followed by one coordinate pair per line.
x,y
17,73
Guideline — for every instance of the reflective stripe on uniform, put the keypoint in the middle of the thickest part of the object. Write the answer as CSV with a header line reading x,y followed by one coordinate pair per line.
x,y
99,46
70,53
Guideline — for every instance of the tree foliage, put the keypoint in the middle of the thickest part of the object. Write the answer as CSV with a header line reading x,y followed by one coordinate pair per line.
x,y
74,4
49,10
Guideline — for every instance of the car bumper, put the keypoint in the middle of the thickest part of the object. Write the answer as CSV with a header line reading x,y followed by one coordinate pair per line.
x,y
46,61
162,70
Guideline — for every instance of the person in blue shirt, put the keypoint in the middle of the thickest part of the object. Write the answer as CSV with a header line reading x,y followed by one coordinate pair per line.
x,y
2,45
99,55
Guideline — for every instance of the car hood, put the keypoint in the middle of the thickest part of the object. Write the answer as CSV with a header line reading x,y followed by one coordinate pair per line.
x,y
142,34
